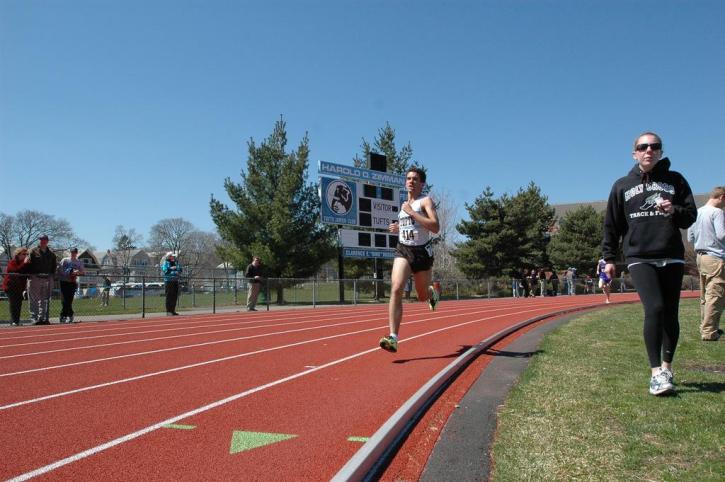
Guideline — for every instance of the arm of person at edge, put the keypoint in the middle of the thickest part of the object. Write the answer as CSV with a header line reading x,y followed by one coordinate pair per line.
x,y
615,227
719,222
430,220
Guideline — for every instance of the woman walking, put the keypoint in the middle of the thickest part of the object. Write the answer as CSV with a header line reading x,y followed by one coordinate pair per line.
x,y
647,208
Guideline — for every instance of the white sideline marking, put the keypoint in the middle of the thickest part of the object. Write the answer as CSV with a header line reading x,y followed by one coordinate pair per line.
x,y
145,340
158,425
185,322
232,357
196,345
142,332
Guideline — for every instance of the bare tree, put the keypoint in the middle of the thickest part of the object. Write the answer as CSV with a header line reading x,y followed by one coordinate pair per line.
x,y
124,242
24,228
200,252
445,265
170,234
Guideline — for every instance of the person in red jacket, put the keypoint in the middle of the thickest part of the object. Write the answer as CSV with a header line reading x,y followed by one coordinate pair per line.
x,y
14,283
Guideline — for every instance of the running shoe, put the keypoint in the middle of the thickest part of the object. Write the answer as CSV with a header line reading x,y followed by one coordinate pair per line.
x,y
433,298
668,375
388,343
661,384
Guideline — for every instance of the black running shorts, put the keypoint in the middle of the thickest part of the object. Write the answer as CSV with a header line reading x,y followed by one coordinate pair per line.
x,y
420,258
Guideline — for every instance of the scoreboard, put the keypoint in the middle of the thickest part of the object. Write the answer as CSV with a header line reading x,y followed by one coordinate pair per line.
x,y
361,198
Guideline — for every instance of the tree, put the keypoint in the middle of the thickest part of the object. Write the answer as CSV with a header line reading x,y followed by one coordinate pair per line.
x,y
24,228
578,240
505,234
124,242
530,219
171,234
276,214
483,253
399,161
200,252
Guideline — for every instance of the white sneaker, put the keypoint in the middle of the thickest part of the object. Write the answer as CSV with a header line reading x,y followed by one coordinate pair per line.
x,y
661,383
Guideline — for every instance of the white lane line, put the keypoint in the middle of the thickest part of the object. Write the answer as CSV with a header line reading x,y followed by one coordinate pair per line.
x,y
158,425
227,358
146,340
161,350
236,323
228,340
112,443
185,322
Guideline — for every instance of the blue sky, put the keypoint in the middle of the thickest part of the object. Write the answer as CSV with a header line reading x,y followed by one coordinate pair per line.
x,y
130,112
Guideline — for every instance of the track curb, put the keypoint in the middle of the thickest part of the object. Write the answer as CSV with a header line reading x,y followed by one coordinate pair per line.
x,y
374,454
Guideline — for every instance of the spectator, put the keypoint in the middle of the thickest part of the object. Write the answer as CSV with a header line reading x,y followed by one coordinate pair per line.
x,y
68,272
14,282
171,268
408,288
554,283
708,235
254,275
40,286
571,276
515,282
533,281
105,291
588,285
645,211
542,282
622,284
525,283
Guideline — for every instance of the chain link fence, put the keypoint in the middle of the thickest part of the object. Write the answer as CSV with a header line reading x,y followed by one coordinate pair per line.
x,y
142,296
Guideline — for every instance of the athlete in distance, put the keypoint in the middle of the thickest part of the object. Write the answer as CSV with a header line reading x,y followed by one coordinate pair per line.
x,y
417,220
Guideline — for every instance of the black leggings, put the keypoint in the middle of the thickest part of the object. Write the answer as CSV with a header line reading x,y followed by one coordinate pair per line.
x,y
659,290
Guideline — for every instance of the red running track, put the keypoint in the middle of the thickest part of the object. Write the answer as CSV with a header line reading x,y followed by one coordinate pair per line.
x,y
181,398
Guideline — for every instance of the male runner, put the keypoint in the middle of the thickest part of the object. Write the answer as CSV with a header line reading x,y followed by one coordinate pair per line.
x,y
417,219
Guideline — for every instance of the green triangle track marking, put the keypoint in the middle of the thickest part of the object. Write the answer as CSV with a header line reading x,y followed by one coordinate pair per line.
x,y
178,426
358,439
242,441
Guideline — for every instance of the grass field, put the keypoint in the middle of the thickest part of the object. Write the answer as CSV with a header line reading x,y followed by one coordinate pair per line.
x,y
582,410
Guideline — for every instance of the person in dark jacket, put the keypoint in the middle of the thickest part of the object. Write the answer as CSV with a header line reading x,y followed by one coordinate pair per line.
x,y
15,282
43,263
254,276
646,209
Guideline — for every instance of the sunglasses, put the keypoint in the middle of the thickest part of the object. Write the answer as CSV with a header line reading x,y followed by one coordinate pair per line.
x,y
643,147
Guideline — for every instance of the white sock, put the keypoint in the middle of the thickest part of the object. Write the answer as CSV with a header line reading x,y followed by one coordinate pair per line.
x,y
394,336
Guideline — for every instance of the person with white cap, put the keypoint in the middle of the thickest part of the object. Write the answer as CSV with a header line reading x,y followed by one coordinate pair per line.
x,y
68,271
171,268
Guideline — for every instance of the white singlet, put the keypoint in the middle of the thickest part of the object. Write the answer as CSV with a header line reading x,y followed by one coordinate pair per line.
x,y
411,233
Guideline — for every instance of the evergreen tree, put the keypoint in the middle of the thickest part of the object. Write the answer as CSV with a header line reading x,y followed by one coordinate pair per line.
x,y
277,212
578,240
530,218
505,234
482,254
399,161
